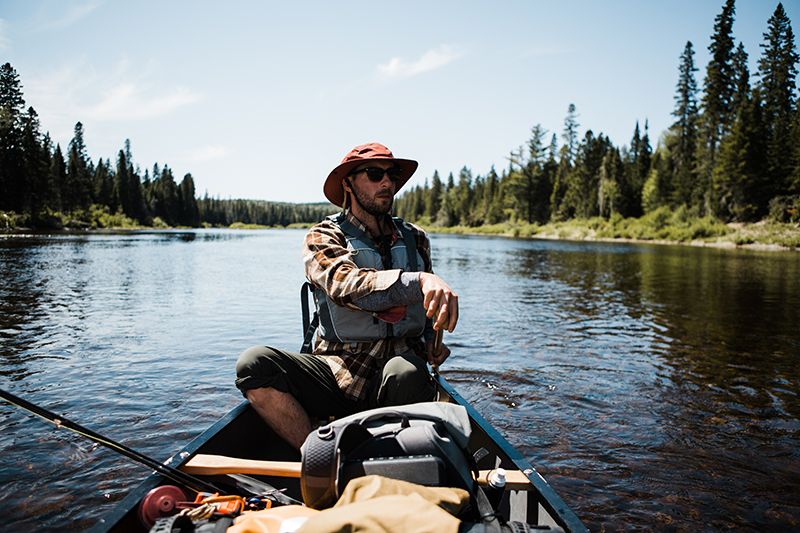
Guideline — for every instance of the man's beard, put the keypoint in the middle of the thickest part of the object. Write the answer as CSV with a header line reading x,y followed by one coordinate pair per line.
x,y
371,206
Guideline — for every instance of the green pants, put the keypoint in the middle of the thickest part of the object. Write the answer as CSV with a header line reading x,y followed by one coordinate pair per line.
x,y
309,379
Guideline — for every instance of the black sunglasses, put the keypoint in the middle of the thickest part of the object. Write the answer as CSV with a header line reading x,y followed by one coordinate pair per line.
x,y
375,174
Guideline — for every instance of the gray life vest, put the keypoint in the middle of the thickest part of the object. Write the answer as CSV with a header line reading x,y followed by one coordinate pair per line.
x,y
342,324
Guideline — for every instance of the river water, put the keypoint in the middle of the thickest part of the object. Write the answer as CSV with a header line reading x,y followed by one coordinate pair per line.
x,y
654,387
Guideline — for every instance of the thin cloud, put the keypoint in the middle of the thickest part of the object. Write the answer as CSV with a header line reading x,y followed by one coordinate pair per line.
x,y
128,101
207,153
74,14
78,91
5,41
436,58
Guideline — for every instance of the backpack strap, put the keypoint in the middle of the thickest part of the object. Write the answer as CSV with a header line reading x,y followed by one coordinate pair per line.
x,y
410,241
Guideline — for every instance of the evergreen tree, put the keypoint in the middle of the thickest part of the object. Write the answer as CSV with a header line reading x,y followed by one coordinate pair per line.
x,y
79,180
656,191
570,134
777,70
165,196
492,201
684,129
12,179
36,166
612,173
716,103
795,179
462,198
558,210
58,176
434,201
52,189
189,213
104,185
637,168
122,183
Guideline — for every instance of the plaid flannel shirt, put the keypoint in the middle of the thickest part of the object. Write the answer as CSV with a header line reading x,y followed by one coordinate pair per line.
x,y
329,266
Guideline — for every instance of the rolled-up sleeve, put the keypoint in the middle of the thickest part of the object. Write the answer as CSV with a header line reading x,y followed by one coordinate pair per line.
x,y
329,266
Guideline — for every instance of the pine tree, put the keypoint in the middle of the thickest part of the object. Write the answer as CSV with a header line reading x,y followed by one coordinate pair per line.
x,y
737,183
35,166
463,197
58,175
122,183
52,189
12,104
777,70
434,201
716,103
79,180
684,129
637,167
570,134
612,172
189,213
656,191
104,185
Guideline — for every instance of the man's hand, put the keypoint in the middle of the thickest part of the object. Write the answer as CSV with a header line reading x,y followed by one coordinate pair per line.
x,y
441,303
436,359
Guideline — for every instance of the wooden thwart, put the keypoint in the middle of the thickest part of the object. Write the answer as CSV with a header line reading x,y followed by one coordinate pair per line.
x,y
203,464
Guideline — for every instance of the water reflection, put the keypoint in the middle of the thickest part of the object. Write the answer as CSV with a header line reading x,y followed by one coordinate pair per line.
x,y
655,387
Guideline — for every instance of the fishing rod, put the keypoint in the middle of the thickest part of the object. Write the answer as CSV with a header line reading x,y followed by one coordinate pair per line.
x,y
174,474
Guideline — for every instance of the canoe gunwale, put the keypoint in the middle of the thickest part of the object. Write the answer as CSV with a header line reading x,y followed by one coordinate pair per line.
x,y
132,499
547,498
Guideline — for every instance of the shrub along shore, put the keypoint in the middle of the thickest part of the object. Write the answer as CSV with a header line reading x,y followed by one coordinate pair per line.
x,y
659,227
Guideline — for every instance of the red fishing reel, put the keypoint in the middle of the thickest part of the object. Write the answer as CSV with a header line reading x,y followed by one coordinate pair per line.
x,y
160,502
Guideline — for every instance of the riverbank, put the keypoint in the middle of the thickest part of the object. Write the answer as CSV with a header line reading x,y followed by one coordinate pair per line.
x,y
658,228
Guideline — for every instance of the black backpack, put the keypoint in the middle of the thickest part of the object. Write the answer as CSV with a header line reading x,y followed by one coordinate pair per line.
x,y
424,443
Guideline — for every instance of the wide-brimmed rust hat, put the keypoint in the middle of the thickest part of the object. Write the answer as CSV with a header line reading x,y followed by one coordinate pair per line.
x,y
357,156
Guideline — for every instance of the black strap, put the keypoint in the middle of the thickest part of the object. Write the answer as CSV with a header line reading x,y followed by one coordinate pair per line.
x,y
309,325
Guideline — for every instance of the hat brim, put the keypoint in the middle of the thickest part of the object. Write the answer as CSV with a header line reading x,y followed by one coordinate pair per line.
x,y
334,191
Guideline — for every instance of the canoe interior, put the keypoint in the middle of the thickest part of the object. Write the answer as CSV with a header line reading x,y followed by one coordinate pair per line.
x,y
241,433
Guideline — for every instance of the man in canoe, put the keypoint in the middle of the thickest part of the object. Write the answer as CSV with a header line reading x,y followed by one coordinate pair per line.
x,y
378,301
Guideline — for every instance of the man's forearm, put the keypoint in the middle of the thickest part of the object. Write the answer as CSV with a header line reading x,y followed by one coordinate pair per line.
x,y
404,291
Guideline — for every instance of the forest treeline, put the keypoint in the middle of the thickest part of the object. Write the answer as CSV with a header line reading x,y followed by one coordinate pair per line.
x,y
733,152
44,186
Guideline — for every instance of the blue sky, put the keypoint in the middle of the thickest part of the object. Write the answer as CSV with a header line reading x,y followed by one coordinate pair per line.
x,y
263,99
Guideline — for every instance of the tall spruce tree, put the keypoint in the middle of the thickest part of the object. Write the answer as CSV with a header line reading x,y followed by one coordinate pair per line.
x,y
570,133
12,178
612,173
777,69
739,190
35,165
434,201
189,213
684,129
716,102
58,175
78,193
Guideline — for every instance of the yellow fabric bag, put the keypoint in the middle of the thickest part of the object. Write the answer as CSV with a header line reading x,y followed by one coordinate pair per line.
x,y
379,504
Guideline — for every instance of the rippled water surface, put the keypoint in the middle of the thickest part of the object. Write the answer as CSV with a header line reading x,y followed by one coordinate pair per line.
x,y
655,387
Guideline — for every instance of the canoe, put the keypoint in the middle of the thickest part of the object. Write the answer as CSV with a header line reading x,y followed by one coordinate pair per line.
x,y
242,434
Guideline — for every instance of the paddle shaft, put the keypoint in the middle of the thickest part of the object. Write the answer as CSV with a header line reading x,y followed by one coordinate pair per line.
x,y
202,464
174,474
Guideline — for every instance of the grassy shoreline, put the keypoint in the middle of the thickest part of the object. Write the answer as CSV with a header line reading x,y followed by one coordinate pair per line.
x,y
692,231
659,227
